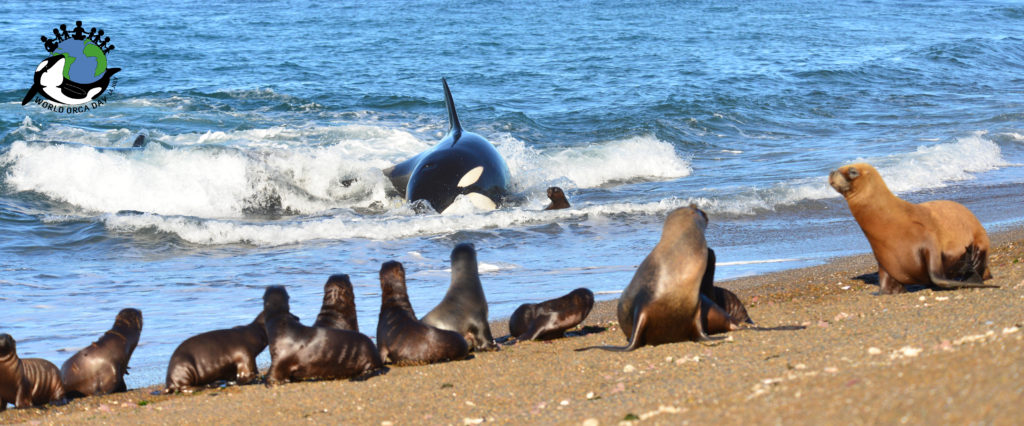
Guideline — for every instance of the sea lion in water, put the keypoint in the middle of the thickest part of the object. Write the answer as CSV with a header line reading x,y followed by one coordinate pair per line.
x,y
464,308
663,303
339,307
400,336
549,319
99,368
938,243
722,297
298,352
558,200
26,382
228,354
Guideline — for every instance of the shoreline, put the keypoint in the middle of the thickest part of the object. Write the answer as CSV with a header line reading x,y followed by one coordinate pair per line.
x,y
949,356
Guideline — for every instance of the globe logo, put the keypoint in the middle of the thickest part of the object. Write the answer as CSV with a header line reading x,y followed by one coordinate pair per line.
x,y
76,74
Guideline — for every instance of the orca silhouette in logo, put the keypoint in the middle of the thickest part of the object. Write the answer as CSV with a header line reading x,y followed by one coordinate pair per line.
x,y
462,163
49,82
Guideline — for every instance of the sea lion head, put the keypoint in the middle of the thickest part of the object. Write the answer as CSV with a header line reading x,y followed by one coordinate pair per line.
x,y
847,180
392,280
684,217
338,291
464,258
129,318
275,300
7,345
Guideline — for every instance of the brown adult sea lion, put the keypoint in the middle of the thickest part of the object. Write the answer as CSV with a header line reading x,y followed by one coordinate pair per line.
x,y
558,200
339,307
549,319
402,338
663,303
228,354
26,382
99,368
938,243
298,352
464,307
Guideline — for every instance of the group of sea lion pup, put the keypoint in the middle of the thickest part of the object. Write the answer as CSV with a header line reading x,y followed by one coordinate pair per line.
x,y
671,298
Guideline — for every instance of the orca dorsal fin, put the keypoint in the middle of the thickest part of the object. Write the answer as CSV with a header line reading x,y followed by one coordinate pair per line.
x,y
454,128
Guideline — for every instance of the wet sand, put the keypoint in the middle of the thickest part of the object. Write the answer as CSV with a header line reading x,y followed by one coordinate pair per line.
x,y
840,353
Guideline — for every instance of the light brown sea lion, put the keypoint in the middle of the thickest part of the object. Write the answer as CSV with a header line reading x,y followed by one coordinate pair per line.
x,y
99,368
722,297
938,243
298,352
558,200
549,319
26,382
663,303
402,338
464,307
339,307
228,354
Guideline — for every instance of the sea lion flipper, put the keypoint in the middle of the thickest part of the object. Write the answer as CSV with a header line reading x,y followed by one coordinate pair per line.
x,y
936,275
635,339
707,283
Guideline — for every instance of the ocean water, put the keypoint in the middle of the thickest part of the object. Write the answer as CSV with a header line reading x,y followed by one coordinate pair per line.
x,y
271,125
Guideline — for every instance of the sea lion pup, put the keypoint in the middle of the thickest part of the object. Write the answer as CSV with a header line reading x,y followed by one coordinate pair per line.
x,y
549,319
26,382
298,352
402,338
99,368
558,200
339,307
722,297
464,308
662,303
938,243
228,354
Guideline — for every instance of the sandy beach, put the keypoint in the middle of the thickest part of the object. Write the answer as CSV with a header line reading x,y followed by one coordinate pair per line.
x,y
838,353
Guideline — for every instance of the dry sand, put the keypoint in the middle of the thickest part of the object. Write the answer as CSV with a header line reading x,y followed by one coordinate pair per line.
x,y
921,357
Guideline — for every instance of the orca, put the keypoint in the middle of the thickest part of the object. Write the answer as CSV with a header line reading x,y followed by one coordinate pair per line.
x,y
49,82
462,163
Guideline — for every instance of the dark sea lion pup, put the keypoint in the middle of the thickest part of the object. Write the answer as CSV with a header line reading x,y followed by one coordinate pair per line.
x,y
99,368
663,304
26,382
228,354
298,352
728,300
938,243
549,320
339,307
558,200
402,338
464,308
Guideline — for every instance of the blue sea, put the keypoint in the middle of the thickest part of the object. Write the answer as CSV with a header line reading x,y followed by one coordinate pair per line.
x,y
270,125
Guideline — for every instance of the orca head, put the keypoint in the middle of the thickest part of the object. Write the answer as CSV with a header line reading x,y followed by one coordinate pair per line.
x,y
48,76
443,175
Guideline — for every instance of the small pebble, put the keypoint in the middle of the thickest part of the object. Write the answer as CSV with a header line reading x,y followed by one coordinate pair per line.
x,y
874,351
629,368
1010,329
469,421
831,370
564,402
590,395
591,422
942,298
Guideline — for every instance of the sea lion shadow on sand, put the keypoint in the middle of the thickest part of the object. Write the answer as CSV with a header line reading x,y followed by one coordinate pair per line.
x,y
872,279
509,340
